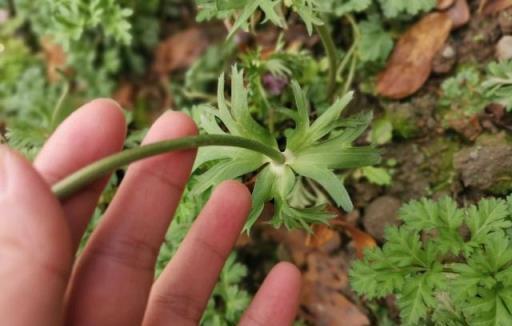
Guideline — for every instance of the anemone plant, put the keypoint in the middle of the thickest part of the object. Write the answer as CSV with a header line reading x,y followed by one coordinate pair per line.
x,y
313,151
235,144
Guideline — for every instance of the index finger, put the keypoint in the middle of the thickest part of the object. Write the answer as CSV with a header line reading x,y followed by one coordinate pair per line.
x,y
92,132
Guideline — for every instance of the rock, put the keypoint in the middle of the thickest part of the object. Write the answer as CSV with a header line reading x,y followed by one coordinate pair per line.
x,y
504,48
486,168
414,118
381,213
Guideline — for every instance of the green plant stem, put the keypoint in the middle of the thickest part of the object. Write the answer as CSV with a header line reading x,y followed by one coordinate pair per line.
x,y
351,55
270,110
59,107
101,168
351,74
330,50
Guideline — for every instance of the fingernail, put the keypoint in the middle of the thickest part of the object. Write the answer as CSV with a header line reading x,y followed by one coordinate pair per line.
x,y
3,168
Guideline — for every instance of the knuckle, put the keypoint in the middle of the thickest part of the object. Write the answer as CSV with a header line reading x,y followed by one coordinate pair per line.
x,y
176,305
212,249
128,251
162,178
250,320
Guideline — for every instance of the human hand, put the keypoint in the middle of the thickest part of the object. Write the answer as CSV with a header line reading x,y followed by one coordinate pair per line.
x,y
112,283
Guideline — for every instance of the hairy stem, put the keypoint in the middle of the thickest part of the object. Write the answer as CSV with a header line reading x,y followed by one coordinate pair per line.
x,y
101,168
330,50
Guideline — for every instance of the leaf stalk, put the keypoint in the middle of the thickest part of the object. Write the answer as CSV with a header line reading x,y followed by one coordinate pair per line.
x,y
330,50
73,183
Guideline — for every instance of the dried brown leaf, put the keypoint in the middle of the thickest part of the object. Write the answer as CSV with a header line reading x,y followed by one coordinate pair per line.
x,y
328,307
55,58
125,94
444,4
321,235
179,51
411,62
491,7
325,281
361,239
460,13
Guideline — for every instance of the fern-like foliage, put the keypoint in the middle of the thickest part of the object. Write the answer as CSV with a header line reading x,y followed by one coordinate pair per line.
x,y
242,11
67,21
391,9
446,265
498,84
462,94
313,151
397,8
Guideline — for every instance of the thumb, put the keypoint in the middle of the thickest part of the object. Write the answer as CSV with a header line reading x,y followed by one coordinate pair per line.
x,y
35,242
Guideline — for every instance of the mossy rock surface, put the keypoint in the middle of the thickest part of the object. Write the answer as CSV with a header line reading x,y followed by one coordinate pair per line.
x,y
486,168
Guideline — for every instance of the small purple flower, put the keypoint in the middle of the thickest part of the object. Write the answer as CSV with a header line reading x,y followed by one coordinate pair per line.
x,y
275,84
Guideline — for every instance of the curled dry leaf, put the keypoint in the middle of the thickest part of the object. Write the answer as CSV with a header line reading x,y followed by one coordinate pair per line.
x,y
179,51
325,283
460,14
125,94
491,7
326,306
361,240
411,62
444,4
321,235
55,58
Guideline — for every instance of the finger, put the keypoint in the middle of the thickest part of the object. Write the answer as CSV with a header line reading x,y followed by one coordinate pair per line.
x,y
92,132
117,268
277,300
181,293
35,246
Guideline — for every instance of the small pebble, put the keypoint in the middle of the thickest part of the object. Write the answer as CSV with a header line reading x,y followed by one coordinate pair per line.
x,y
504,48
379,214
448,52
